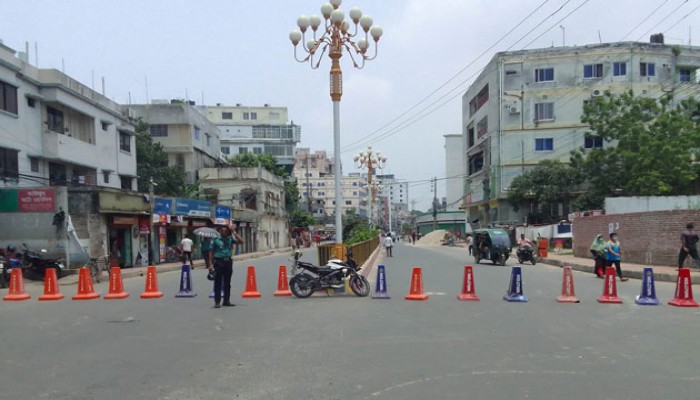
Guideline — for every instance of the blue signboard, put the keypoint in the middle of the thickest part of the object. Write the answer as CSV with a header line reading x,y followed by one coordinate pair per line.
x,y
193,208
222,212
162,206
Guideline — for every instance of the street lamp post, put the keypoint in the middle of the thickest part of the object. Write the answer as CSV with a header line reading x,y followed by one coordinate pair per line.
x,y
334,36
371,160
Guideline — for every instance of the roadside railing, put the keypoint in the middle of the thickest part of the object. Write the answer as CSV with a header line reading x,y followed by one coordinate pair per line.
x,y
360,251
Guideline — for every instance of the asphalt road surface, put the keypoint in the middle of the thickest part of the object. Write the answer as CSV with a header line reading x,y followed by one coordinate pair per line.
x,y
355,348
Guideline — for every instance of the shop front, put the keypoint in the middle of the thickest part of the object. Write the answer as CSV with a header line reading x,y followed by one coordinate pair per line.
x,y
190,215
126,214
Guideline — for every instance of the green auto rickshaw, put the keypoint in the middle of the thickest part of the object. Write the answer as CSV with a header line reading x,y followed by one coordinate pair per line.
x,y
491,244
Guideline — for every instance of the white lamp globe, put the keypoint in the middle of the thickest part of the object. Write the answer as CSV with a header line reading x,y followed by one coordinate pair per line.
x,y
295,36
355,14
326,10
303,22
315,21
376,32
366,22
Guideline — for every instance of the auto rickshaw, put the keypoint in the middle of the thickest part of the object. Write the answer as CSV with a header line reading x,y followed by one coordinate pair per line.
x,y
491,244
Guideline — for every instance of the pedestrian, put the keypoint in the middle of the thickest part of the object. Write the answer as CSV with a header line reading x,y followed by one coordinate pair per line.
x,y
186,247
206,247
220,255
689,246
598,253
470,241
414,235
612,250
388,245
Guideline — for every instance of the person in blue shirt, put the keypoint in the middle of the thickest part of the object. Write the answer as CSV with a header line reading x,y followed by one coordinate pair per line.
x,y
612,255
220,260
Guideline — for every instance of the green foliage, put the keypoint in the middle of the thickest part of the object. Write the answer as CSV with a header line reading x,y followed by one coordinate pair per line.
x,y
361,235
267,161
301,219
544,187
152,162
406,229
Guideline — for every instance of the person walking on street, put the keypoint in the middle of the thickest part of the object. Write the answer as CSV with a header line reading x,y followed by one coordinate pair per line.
x,y
470,241
689,246
612,251
222,249
206,249
388,245
598,252
186,247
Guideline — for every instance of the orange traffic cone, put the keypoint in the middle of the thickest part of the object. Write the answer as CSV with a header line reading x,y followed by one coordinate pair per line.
x,y
17,292
116,287
416,292
684,290
251,287
151,290
568,294
610,289
468,292
282,284
51,291
85,289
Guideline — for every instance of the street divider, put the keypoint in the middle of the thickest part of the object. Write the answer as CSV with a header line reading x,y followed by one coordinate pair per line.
x,y
568,293
116,286
380,291
468,289
647,297
51,291
515,289
609,288
85,289
151,291
282,283
251,286
186,282
16,292
416,291
684,290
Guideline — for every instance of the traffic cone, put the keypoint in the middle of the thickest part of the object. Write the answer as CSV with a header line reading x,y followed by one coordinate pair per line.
x,y
515,289
116,287
85,289
16,292
610,288
648,295
282,283
186,282
151,290
380,291
416,292
684,290
468,291
251,287
51,291
568,294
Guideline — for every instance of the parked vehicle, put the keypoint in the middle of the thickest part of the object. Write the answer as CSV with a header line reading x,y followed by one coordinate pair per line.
x,y
34,264
491,244
308,278
8,261
527,254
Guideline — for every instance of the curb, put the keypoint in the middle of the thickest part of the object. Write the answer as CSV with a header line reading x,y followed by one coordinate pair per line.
x,y
633,274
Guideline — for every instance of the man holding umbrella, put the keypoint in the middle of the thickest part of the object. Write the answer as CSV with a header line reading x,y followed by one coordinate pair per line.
x,y
220,260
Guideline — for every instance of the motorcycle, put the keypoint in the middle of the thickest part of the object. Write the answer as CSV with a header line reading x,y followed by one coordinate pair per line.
x,y
308,278
34,265
526,254
8,262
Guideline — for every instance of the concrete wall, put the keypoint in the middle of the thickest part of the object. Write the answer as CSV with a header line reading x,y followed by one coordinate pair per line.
x,y
647,238
622,205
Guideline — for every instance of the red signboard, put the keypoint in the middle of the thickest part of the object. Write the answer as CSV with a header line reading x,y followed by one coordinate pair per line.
x,y
36,200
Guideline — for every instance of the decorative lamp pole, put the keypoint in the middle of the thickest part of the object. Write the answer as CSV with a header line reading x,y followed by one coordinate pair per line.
x,y
334,35
371,160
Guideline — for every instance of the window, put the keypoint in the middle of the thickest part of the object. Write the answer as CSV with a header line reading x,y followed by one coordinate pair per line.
x,y
544,111
180,160
257,150
593,71
544,75
593,142
348,202
482,127
197,133
30,102
105,125
126,182
647,69
354,183
544,144
158,130
225,150
253,115
208,140
242,150
684,75
246,116
9,163
34,164
8,98
476,163
125,142
619,68
105,176
54,119
226,115
354,193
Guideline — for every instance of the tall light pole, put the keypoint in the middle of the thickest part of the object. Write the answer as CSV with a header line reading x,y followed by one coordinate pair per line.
x,y
334,36
371,160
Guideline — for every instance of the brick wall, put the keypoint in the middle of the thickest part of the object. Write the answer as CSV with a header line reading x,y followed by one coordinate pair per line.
x,y
651,238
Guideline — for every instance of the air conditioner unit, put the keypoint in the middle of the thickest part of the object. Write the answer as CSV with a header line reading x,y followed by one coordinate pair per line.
x,y
596,93
515,110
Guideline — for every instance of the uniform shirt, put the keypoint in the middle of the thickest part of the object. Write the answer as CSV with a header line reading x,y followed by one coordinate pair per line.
x,y
206,244
221,247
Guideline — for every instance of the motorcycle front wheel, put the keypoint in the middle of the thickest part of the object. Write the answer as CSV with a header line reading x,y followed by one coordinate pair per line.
x,y
301,286
359,285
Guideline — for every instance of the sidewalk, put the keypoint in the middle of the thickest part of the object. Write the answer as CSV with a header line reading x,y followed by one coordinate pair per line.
x,y
661,272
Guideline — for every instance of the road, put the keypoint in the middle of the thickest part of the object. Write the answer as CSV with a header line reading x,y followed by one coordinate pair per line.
x,y
355,348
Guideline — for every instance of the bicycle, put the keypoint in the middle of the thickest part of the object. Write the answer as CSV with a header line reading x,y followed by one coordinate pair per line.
x,y
97,265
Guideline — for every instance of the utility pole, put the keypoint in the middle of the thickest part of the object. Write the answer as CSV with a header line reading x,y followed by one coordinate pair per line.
x,y
151,190
308,188
433,186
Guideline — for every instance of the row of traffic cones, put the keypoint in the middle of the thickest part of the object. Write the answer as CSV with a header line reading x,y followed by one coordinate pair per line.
x,y
683,296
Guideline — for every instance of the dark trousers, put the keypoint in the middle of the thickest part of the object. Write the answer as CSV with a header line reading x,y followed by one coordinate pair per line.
x,y
205,256
692,252
187,255
388,251
223,270
599,263
610,263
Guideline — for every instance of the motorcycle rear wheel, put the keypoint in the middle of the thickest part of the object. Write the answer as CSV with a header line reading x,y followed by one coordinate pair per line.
x,y
359,285
301,286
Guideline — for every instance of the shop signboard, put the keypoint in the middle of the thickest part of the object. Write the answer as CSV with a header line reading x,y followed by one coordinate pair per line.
x,y
28,200
161,243
222,215
144,228
162,206
192,208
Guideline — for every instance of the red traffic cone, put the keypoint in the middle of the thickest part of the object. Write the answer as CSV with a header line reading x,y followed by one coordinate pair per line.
x,y
85,290
416,292
116,287
51,291
16,292
468,291
568,294
684,290
282,284
610,289
251,287
151,291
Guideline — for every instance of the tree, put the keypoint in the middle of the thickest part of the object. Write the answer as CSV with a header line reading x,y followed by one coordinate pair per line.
x,y
152,162
301,219
543,188
650,148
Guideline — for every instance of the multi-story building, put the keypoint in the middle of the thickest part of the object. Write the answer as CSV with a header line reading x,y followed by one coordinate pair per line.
x,y
454,171
526,106
392,201
189,138
257,130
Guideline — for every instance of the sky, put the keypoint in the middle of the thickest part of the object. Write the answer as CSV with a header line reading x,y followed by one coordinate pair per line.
x,y
238,51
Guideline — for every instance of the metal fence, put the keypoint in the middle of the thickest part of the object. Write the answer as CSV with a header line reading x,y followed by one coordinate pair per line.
x,y
360,251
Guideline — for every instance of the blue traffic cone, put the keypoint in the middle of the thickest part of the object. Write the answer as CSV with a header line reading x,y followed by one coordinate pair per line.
x,y
380,291
648,295
186,282
515,289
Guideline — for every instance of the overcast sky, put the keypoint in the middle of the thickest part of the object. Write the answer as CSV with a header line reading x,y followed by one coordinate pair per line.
x,y
237,51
